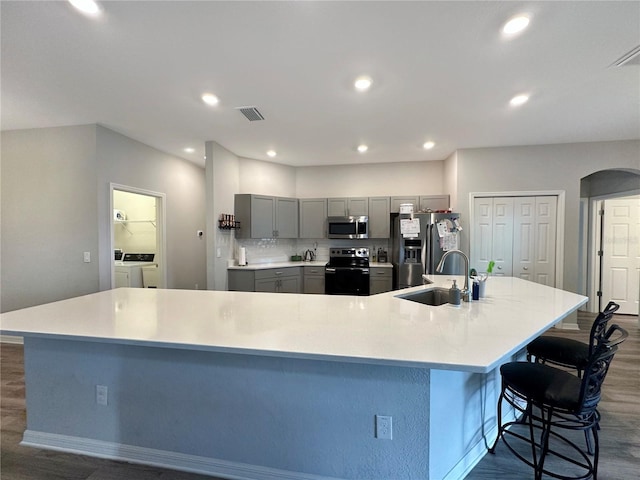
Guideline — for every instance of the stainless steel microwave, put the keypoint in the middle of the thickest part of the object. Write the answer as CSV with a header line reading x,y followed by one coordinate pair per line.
x,y
348,227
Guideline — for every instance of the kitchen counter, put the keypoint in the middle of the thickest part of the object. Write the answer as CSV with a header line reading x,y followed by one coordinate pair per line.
x,y
315,263
231,371
473,337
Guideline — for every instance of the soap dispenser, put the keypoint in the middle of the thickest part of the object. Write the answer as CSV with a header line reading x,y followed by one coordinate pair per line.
x,y
454,294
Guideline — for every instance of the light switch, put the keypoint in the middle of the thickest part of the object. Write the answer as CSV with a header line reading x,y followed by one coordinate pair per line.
x,y
87,257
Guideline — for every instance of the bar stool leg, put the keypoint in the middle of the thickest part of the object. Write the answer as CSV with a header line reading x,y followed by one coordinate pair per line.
x,y
544,441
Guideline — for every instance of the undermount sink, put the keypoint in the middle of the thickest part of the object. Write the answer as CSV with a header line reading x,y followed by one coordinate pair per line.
x,y
433,296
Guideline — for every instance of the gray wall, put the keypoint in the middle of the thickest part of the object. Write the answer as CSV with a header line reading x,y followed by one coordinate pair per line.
x,y
55,206
223,182
49,215
544,167
128,162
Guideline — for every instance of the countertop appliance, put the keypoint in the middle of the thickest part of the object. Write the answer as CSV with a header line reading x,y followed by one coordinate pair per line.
x,y
418,242
348,227
347,272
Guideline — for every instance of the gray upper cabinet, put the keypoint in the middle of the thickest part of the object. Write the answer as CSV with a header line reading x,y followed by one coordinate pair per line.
x,y
348,206
434,202
313,216
379,209
262,216
286,221
397,201
421,202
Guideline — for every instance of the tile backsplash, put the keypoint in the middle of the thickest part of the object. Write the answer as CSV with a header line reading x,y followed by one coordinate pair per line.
x,y
270,250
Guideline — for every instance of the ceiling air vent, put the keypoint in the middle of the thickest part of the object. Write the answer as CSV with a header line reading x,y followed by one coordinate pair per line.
x,y
251,113
632,57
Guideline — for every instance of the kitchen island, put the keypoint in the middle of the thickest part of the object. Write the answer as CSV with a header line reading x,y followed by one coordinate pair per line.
x,y
277,386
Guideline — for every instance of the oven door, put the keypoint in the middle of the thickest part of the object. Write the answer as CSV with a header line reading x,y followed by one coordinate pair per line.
x,y
346,281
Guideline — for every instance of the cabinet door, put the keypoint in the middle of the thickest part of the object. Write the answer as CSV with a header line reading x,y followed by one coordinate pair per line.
x,y
289,285
351,206
379,219
380,280
397,201
262,216
358,206
313,218
269,285
434,202
314,284
545,240
241,280
337,207
286,215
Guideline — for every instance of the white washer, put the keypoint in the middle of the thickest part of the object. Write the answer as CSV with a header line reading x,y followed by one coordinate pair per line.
x,y
128,271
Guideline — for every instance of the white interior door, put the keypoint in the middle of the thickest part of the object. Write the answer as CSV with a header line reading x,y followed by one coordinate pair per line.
x,y
502,249
481,252
534,239
524,218
621,253
545,245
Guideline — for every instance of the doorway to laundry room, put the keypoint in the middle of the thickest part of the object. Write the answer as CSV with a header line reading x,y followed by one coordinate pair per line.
x,y
137,238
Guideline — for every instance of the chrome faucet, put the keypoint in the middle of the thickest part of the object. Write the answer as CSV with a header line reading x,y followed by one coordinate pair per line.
x,y
465,290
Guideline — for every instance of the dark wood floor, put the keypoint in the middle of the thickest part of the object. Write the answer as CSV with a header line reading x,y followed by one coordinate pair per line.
x,y
620,433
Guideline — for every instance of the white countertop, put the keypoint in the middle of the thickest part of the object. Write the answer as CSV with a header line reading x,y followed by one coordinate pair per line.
x,y
315,263
380,329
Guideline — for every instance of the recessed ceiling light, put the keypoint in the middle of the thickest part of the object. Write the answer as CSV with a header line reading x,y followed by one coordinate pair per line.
x,y
363,83
189,150
271,153
210,99
519,100
515,25
362,148
428,145
90,7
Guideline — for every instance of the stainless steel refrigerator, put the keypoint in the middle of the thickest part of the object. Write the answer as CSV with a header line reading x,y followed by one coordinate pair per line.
x,y
418,247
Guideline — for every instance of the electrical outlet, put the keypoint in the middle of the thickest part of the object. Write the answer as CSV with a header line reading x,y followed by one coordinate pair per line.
x,y
102,394
384,427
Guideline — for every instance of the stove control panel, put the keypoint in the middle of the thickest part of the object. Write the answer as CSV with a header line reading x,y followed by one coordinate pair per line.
x,y
349,252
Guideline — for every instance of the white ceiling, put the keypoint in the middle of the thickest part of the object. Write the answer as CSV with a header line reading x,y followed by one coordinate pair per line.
x,y
442,71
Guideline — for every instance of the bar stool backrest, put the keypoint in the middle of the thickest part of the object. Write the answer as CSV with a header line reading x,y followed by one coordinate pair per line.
x,y
597,368
599,326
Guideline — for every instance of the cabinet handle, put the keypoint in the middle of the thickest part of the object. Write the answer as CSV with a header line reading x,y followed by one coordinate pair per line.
x,y
278,273
525,268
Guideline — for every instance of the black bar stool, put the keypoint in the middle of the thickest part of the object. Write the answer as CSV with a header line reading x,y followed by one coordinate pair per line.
x,y
552,399
569,353
566,352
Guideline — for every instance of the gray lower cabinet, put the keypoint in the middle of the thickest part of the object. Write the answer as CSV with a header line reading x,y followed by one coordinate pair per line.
x,y
313,280
274,280
380,280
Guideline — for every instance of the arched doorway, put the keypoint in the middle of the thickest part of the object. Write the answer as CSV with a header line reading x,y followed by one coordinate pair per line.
x,y
609,250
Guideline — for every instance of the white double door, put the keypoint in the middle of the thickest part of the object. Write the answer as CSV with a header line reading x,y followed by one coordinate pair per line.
x,y
518,234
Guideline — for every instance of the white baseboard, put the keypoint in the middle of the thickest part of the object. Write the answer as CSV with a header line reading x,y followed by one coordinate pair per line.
x,y
472,457
11,339
160,458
